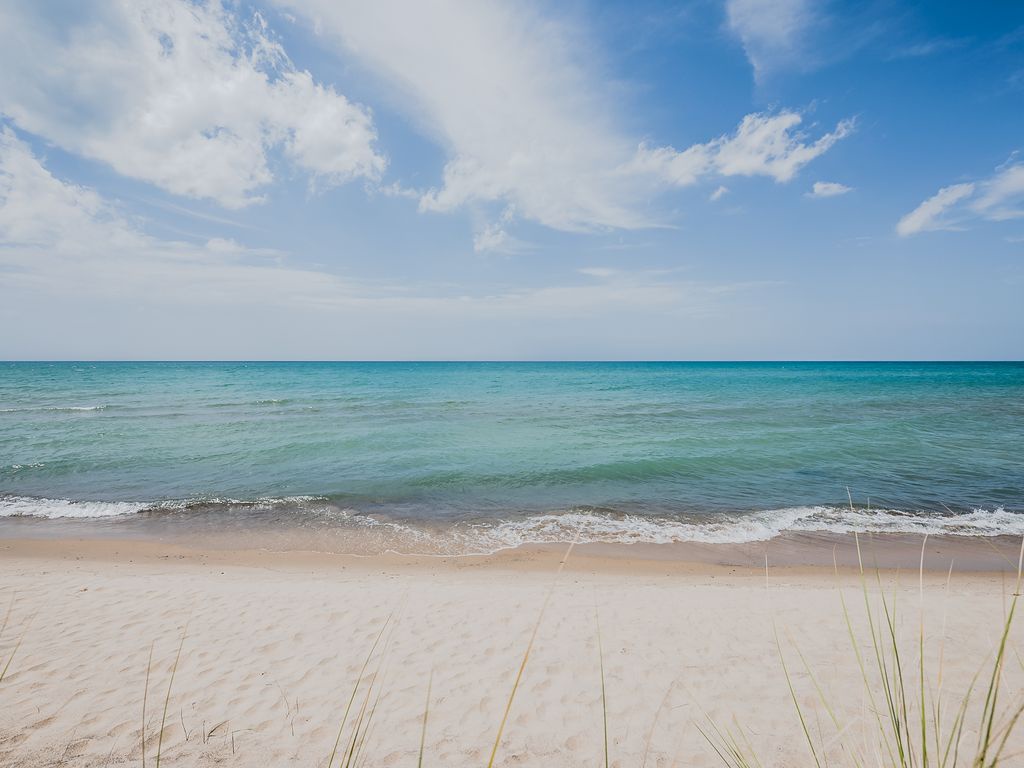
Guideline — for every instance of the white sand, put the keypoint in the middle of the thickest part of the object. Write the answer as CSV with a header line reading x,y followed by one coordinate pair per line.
x,y
274,645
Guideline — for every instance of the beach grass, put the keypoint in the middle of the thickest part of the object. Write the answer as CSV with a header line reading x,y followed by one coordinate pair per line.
x,y
426,713
167,697
604,691
346,758
6,663
912,730
529,649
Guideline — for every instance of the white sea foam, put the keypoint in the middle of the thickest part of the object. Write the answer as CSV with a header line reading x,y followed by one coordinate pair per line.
x,y
584,526
587,527
22,506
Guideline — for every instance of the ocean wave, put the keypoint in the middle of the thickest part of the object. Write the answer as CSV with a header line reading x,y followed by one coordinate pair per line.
x,y
22,506
592,527
585,525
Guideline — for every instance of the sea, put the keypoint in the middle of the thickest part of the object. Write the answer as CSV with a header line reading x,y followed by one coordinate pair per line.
x,y
466,458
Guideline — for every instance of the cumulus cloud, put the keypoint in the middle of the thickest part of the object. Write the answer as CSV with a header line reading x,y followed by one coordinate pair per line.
x,y
503,90
997,198
828,189
718,194
59,237
200,99
187,96
514,100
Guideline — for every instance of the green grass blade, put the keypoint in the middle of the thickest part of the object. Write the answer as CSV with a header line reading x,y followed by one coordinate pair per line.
x,y
167,698
355,690
604,696
145,696
526,655
426,711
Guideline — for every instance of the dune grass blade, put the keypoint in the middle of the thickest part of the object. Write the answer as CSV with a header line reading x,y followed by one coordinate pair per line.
x,y
529,648
14,652
825,702
793,696
355,690
145,696
937,706
920,660
426,712
17,645
604,694
654,725
7,615
167,698
729,750
992,695
364,719
886,680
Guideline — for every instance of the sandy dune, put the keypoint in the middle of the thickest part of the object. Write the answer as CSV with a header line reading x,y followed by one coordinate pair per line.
x,y
275,643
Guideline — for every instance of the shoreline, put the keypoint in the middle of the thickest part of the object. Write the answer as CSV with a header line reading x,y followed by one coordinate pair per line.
x,y
822,552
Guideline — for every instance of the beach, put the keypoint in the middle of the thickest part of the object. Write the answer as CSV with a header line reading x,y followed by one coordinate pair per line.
x,y
272,644
268,564
511,384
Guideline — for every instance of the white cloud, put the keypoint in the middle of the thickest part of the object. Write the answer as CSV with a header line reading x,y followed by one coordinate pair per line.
x,y
506,93
828,189
492,237
1002,197
184,95
601,273
763,145
772,31
61,238
76,268
931,214
517,102
718,194
997,198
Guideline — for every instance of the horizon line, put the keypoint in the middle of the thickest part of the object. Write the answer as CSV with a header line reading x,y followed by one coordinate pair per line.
x,y
510,360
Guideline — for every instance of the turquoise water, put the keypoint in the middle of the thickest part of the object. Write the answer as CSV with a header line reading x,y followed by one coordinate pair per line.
x,y
481,455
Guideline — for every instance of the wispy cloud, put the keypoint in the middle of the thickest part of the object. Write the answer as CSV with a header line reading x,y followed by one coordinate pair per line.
x,y
1000,197
926,48
828,189
933,213
187,96
516,101
64,245
772,31
202,100
763,145
718,194
66,239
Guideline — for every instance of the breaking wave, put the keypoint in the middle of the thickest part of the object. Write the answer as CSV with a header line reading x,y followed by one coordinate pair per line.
x,y
582,524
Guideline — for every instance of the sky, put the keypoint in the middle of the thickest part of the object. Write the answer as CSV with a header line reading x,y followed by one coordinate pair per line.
x,y
509,179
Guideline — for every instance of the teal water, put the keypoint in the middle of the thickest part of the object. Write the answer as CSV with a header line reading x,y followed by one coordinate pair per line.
x,y
480,455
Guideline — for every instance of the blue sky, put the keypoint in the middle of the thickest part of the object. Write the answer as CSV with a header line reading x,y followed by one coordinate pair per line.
x,y
322,179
